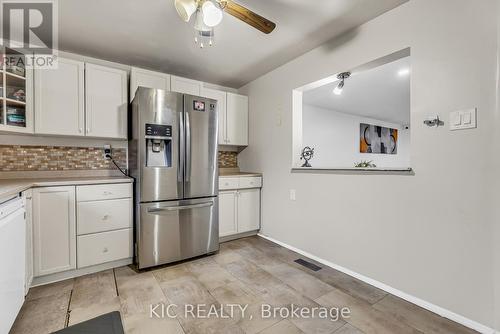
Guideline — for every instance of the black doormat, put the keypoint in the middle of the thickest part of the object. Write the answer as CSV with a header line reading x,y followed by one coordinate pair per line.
x,y
110,323
308,264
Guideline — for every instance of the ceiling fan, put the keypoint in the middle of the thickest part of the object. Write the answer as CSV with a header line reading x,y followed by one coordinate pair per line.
x,y
208,14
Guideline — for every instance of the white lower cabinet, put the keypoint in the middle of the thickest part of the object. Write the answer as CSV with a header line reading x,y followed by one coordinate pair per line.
x,y
54,230
248,210
102,216
104,223
239,205
80,226
28,205
227,213
104,247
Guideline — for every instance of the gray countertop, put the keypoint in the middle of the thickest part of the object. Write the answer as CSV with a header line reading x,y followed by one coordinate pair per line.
x,y
239,174
11,187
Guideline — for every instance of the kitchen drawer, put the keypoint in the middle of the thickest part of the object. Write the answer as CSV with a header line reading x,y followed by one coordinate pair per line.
x,y
104,247
228,183
103,191
101,216
250,182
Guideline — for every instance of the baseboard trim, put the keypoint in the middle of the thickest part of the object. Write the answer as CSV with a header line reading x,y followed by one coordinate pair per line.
x,y
237,236
53,278
403,295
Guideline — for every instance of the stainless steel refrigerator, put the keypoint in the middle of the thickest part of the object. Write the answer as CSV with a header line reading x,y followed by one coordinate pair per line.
x,y
173,158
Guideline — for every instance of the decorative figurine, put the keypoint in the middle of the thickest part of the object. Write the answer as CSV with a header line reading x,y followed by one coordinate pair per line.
x,y
307,154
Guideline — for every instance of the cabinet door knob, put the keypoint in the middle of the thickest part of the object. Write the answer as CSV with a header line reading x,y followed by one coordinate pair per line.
x,y
105,217
105,250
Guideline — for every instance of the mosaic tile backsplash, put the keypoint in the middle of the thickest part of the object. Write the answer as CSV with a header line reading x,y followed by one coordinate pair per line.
x,y
228,159
16,158
57,158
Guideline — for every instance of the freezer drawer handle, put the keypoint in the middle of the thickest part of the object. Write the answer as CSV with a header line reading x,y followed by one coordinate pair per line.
x,y
177,208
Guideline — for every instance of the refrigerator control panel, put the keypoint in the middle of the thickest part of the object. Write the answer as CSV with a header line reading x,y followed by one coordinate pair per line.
x,y
158,130
202,106
199,105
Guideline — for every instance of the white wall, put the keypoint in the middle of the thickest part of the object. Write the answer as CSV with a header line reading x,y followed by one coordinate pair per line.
x,y
495,189
335,138
434,239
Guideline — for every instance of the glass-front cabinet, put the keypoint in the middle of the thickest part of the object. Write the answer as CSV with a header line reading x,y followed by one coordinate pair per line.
x,y
16,94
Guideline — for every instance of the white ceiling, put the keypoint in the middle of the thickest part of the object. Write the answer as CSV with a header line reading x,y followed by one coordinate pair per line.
x,y
148,33
380,93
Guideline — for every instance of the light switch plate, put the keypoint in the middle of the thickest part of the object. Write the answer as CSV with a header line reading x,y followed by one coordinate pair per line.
x,y
463,119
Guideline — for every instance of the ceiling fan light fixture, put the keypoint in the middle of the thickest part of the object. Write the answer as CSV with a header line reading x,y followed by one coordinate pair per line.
x,y
209,13
186,8
204,35
212,15
199,22
204,38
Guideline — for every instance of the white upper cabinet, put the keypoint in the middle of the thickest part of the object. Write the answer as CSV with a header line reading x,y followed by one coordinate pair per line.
x,y
220,96
82,99
106,102
16,96
237,120
149,79
59,99
186,86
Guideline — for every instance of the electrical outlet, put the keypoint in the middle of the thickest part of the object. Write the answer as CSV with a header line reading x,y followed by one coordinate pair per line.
x,y
107,152
292,195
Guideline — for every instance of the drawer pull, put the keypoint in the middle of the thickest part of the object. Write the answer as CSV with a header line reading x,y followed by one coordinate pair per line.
x,y
105,217
107,193
105,250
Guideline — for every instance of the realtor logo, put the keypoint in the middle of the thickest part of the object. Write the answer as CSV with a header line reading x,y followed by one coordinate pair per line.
x,y
29,27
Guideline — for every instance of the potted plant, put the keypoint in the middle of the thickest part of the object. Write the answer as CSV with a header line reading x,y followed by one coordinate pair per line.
x,y
365,164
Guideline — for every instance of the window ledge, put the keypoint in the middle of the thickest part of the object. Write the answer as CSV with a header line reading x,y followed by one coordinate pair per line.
x,y
354,170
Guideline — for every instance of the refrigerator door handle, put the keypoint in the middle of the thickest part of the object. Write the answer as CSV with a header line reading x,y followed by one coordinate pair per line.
x,y
154,210
180,164
188,147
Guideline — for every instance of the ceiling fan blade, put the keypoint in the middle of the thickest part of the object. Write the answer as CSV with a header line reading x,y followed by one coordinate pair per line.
x,y
247,16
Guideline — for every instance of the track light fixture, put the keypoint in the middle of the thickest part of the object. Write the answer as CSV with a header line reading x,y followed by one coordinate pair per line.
x,y
340,87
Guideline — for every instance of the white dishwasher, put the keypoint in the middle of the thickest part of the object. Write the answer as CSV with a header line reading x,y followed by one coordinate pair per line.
x,y
13,253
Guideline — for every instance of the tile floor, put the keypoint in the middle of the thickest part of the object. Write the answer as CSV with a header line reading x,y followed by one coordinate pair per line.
x,y
250,271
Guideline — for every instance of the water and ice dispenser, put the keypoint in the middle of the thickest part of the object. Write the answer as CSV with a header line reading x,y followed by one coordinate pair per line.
x,y
158,145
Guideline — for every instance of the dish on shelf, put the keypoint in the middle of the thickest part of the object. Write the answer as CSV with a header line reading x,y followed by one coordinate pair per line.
x,y
17,70
16,116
